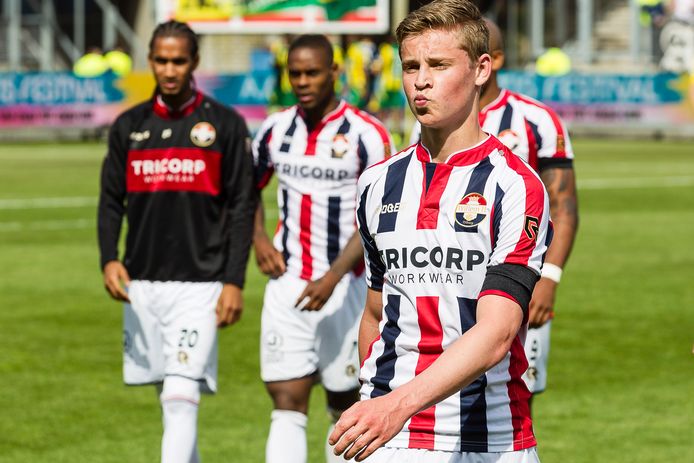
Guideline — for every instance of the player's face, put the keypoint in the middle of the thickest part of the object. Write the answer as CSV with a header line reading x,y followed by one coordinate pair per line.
x,y
440,80
172,65
312,78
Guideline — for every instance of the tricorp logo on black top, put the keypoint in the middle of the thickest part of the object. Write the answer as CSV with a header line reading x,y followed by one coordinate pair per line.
x,y
471,210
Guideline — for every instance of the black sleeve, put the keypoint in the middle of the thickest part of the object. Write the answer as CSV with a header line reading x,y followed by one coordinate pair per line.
x,y
554,163
240,202
112,193
518,281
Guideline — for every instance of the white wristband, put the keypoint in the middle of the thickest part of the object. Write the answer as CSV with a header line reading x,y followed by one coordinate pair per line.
x,y
551,271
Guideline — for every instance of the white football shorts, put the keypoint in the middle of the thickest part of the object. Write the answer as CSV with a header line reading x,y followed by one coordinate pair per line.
x,y
296,343
388,455
537,352
170,329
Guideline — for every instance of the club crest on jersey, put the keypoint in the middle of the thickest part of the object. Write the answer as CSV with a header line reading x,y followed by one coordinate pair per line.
x,y
471,210
203,134
340,146
509,138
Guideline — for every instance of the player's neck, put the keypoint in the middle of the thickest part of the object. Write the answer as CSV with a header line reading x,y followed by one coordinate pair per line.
x,y
315,115
491,91
175,102
443,142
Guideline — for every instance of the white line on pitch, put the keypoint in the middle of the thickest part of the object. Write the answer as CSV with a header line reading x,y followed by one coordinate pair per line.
x,y
634,182
47,225
48,203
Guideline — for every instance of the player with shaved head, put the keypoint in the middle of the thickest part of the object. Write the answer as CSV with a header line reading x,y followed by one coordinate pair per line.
x,y
313,301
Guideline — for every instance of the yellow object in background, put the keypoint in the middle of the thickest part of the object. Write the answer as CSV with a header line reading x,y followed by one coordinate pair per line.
x,y
119,62
92,64
553,62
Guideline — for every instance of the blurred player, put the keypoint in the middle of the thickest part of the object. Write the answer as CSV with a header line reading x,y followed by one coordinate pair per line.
x,y
315,295
534,132
178,166
454,230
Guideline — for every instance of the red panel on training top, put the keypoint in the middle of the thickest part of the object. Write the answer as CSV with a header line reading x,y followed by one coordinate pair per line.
x,y
177,169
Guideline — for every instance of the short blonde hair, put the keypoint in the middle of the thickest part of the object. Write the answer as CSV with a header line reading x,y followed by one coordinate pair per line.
x,y
459,16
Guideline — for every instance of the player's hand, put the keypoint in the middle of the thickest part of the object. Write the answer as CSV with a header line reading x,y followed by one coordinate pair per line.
x,y
116,280
366,426
229,305
541,303
317,292
269,259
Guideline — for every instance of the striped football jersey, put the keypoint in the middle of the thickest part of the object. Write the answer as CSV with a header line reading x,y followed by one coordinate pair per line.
x,y
532,130
431,231
317,171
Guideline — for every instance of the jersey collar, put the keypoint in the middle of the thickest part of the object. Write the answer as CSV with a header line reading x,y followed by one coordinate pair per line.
x,y
465,157
165,111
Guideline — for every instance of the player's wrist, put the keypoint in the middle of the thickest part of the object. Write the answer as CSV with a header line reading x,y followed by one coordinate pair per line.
x,y
551,272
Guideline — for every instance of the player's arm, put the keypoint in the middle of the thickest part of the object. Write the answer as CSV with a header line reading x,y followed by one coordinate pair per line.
x,y
560,182
110,212
370,318
370,424
317,292
270,261
240,202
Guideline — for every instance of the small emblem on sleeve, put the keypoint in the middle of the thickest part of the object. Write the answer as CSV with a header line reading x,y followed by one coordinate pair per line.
x,y
561,144
471,210
340,146
509,138
203,134
532,225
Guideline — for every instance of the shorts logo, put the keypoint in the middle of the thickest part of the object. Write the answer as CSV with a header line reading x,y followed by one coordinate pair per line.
x,y
340,146
471,210
182,357
351,371
203,134
509,138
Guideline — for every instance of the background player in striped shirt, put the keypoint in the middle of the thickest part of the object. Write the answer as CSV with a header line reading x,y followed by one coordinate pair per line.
x,y
179,167
316,293
534,132
454,229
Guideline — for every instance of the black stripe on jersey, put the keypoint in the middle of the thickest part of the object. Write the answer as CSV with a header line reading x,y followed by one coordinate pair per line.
x,y
505,123
498,215
478,180
385,363
536,134
285,228
263,158
287,139
473,418
363,155
376,266
473,424
430,170
344,127
392,194
518,281
333,228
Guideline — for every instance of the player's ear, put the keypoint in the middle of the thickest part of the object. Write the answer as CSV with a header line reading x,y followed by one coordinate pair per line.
x,y
483,69
498,59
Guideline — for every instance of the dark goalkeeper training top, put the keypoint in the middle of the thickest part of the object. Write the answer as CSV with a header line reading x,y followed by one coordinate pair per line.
x,y
184,179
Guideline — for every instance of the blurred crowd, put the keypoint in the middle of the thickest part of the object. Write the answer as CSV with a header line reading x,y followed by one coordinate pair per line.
x,y
671,27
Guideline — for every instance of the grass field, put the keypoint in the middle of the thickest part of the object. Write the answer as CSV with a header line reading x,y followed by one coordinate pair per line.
x,y
621,372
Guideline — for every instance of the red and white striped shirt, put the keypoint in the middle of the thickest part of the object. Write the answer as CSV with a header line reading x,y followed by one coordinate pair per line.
x,y
317,171
431,231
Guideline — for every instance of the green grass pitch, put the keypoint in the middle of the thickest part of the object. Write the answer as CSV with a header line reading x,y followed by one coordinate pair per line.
x,y
621,378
